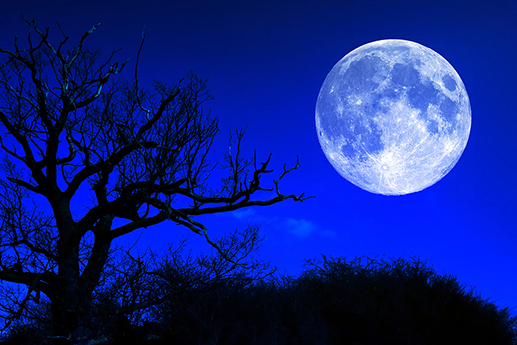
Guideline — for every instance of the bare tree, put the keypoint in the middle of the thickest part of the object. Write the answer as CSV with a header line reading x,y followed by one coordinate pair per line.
x,y
140,156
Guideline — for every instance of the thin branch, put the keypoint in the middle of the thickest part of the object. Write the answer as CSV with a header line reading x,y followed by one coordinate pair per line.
x,y
146,111
25,184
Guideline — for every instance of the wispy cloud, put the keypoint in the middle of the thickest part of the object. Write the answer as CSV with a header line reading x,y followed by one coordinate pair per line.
x,y
299,227
244,213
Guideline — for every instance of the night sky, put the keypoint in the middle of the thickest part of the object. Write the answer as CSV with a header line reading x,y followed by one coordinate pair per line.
x,y
266,61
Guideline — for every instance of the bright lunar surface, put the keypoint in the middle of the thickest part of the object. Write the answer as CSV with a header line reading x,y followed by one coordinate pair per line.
x,y
393,117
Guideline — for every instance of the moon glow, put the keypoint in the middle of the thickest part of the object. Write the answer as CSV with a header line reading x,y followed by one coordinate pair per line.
x,y
393,117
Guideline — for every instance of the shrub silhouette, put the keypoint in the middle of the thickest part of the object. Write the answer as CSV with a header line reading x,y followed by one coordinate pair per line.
x,y
364,301
378,301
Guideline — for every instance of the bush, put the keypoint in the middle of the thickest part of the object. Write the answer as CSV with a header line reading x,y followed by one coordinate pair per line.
x,y
363,301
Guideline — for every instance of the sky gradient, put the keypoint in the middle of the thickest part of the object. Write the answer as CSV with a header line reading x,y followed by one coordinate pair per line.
x,y
266,61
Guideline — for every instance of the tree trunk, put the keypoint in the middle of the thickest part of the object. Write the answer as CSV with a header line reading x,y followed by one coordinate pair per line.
x,y
66,302
65,305
71,304
65,321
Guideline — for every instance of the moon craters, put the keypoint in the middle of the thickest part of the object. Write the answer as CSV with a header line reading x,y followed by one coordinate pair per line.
x,y
393,117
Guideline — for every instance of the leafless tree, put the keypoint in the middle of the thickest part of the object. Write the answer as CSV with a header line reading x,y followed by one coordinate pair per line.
x,y
140,156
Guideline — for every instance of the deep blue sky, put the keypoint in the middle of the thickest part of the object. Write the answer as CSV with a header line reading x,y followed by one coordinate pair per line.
x,y
266,61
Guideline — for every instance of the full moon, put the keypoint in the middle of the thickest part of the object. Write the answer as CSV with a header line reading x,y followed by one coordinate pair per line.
x,y
393,117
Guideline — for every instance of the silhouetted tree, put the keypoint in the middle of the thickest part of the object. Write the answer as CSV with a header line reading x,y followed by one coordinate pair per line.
x,y
140,156
178,278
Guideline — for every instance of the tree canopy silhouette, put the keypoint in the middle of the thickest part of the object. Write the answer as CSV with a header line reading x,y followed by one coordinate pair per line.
x,y
363,301
140,156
